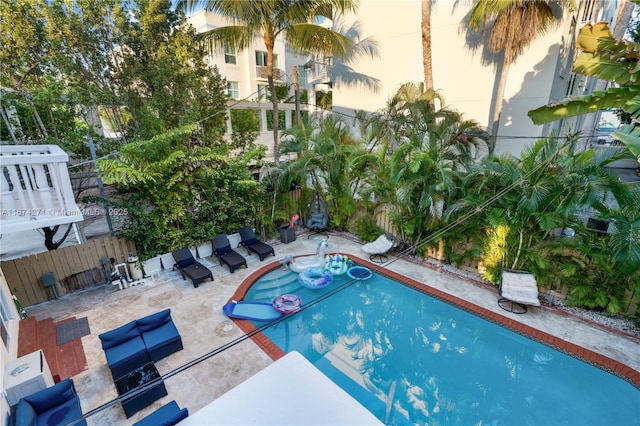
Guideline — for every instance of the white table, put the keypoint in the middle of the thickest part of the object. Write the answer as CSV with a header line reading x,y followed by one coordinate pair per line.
x,y
25,376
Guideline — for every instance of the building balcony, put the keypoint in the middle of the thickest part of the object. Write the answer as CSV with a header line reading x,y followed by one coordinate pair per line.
x,y
35,188
261,73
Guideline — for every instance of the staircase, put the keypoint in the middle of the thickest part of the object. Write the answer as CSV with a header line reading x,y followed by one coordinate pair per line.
x,y
65,360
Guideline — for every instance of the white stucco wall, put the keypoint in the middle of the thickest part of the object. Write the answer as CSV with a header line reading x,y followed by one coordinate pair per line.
x,y
461,73
8,354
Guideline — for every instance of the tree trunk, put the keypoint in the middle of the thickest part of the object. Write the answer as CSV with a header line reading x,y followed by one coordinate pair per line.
x,y
427,60
499,99
269,43
49,233
10,128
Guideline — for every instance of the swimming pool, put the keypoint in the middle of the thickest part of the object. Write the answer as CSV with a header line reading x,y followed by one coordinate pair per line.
x,y
413,359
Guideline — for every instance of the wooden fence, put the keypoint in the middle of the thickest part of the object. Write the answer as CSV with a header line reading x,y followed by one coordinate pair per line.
x,y
74,268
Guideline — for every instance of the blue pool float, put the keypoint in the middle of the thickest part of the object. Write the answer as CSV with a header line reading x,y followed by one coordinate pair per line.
x,y
359,273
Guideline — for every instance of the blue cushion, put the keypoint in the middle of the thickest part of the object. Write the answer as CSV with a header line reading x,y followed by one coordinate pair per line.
x,y
119,335
153,321
167,415
225,249
62,414
186,262
176,417
160,336
25,414
121,353
53,396
251,241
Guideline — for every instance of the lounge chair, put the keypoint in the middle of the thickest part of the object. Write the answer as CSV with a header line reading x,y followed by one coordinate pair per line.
x,y
377,249
253,244
225,254
518,289
190,267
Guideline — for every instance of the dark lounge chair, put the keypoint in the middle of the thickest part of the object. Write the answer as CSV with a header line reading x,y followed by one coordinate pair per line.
x,y
222,250
253,244
190,267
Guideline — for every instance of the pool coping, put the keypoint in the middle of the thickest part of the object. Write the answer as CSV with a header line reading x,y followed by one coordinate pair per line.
x,y
591,357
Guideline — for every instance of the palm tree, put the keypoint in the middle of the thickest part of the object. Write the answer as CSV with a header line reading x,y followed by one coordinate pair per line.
x,y
425,149
427,59
268,20
512,26
607,58
328,159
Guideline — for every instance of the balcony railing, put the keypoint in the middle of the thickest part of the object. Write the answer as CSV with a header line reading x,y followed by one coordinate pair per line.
x,y
35,188
261,72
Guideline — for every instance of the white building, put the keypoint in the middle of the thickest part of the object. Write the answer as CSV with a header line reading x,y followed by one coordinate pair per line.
x,y
466,75
463,71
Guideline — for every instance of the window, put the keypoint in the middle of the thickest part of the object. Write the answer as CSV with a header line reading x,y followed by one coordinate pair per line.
x,y
263,91
229,56
232,90
261,59
302,76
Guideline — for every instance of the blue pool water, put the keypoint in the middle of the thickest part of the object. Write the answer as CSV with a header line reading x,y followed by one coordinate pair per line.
x,y
412,359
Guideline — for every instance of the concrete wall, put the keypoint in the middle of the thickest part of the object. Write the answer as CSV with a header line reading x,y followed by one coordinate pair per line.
x,y
8,353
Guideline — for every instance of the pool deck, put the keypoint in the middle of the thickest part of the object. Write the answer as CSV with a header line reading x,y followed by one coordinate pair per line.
x,y
229,358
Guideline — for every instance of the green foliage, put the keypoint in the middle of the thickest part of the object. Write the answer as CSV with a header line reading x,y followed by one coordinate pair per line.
x,y
246,125
180,192
328,161
603,56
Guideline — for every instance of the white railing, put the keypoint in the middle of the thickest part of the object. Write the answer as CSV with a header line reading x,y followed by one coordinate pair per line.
x,y
35,188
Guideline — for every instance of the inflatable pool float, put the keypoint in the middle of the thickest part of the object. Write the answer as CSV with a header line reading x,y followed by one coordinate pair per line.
x,y
314,278
337,264
299,264
252,311
287,303
359,273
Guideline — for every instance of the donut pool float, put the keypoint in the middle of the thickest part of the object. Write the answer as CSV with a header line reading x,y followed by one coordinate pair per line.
x,y
316,277
286,303
359,273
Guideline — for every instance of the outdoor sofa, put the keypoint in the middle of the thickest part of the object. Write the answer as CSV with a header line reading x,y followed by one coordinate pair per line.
x,y
134,344
55,405
167,415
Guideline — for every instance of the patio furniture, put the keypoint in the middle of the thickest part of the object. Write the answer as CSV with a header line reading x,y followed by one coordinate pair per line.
x,y
378,248
134,344
167,415
160,335
518,289
253,244
56,405
147,384
190,267
317,217
124,349
222,250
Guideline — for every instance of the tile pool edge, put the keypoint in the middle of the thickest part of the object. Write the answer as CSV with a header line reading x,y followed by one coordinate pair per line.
x,y
587,355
